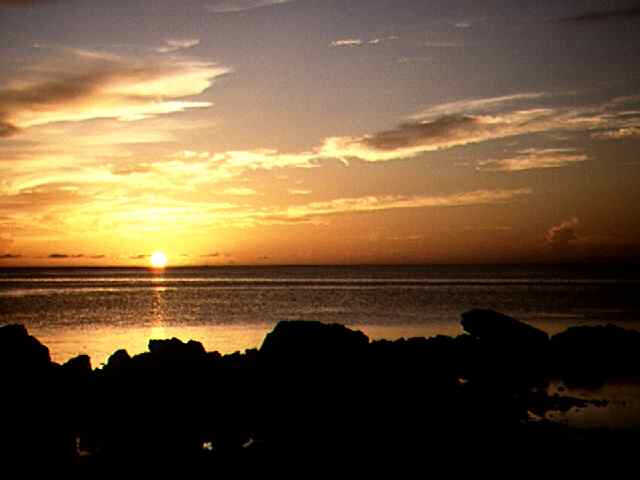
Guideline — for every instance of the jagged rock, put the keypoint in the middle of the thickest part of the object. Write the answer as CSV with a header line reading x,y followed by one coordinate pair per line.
x,y
37,421
20,352
589,355
77,374
80,364
312,391
119,359
495,327
502,351
303,339
177,349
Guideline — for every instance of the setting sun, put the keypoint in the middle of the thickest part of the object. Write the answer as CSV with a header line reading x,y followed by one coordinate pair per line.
x,y
158,260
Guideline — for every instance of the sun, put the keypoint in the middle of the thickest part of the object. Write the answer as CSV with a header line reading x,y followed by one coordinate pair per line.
x,y
158,260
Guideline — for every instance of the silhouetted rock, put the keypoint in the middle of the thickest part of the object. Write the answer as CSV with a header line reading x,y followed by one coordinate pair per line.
x,y
118,360
305,340
36,423
176,349
80,365
309,338
313,393
589,355
20,353
495,327
502,350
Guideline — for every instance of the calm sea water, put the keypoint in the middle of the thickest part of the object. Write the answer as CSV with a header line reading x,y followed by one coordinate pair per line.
x,y
97,310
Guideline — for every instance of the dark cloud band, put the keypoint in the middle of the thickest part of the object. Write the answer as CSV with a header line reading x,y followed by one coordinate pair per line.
x,y
604,15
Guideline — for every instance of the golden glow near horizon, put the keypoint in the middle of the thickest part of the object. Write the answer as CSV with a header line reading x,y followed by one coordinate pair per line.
x,y
445,137
158,260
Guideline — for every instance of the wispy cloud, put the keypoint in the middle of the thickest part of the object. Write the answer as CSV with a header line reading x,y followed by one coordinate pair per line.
x,y
389,202
22,3
562,235
64,256
476,105
443,45
625,132
299,191
347,42
230,6
173,45
414,137
80,89
414,59
474,121
239,191
358,42
532,159
604,15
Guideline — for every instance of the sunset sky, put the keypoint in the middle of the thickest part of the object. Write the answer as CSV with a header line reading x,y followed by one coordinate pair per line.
x,y
319,131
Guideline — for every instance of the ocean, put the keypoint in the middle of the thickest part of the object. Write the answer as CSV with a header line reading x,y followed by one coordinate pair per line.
x,y
98,310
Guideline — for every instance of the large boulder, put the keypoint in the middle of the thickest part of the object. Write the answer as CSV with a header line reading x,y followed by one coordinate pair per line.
x,y
309,371
589,355
175,349
20,352
304,340
37,424
495,327
118,360
502,351
79,366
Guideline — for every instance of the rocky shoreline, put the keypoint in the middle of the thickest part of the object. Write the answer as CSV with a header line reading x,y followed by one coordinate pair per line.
x,y
312,393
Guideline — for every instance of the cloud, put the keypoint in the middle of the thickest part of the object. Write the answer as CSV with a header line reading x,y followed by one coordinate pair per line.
x,y
211,255
173,45
131,168
299,191
59,256
7,130
559,237
468,122
443,45
239,191
414,59
604,15
389,202
358,42
475,105
23,3
531,159
9,256
230,6
414,137
139,256
84,88
347,42
625,132
266,159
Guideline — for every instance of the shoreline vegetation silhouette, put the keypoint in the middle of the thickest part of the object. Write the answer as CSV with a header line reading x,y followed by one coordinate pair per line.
x,y
317,395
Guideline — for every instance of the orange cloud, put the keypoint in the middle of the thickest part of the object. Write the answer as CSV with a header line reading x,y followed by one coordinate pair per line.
x,y
104,86
532,159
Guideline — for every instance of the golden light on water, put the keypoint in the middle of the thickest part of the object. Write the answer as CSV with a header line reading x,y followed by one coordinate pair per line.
x,y
158,260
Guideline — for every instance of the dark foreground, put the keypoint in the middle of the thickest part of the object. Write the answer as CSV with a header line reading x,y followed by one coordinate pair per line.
x,y
317,397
